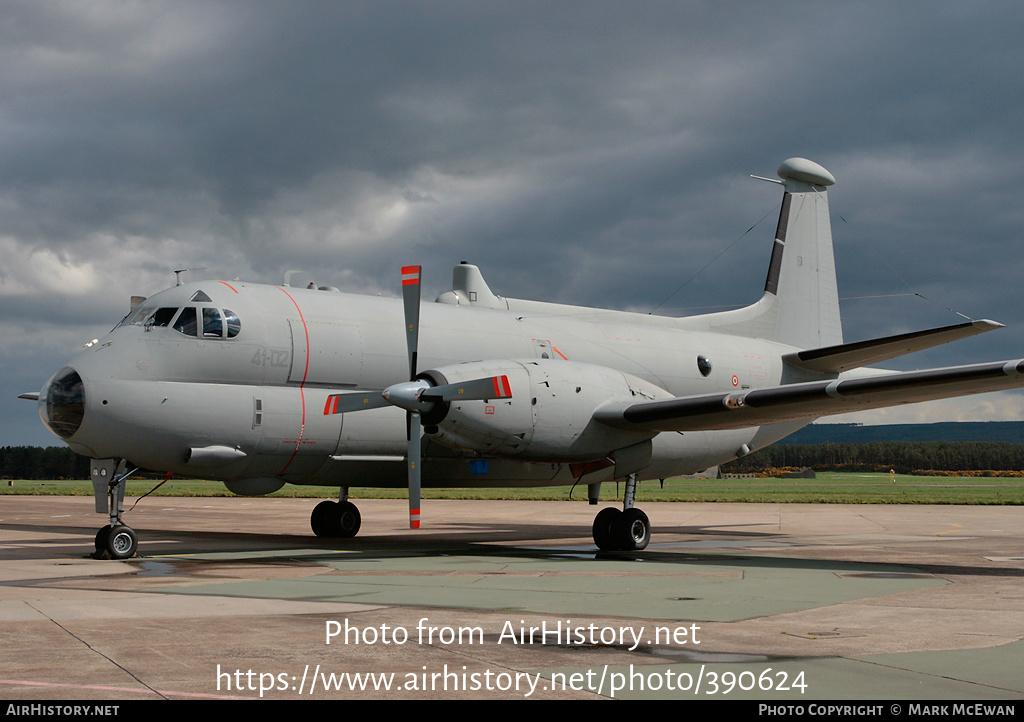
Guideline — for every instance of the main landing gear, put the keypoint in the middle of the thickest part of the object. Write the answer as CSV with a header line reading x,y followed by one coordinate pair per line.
x,y
116,540
623,530
336,519
627,529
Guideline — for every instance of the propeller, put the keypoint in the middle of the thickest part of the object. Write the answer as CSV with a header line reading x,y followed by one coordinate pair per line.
x,y
417,396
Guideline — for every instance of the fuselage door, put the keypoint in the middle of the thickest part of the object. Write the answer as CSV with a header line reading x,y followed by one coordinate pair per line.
x,y
300,351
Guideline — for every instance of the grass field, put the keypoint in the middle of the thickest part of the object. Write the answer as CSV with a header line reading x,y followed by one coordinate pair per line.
x,y
828,488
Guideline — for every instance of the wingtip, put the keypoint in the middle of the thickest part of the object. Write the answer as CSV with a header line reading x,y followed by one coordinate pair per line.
x,y
987,324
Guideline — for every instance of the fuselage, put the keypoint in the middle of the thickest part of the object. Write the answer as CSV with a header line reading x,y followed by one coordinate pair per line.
x,y
236,388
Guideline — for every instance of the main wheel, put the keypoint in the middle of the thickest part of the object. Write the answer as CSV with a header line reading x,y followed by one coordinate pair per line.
x,y
335,519
603,525
349,520
632,530
320,519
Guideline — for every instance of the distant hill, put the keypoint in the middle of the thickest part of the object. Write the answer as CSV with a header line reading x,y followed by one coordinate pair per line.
x,y
1005,431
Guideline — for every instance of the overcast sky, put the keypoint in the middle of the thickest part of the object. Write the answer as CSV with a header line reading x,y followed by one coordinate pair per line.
x,y
593,153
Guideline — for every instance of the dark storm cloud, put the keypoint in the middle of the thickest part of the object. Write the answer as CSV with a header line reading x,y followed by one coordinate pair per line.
x,y
583,152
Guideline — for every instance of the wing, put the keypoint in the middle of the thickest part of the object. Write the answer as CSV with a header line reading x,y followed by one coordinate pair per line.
x,y
810,400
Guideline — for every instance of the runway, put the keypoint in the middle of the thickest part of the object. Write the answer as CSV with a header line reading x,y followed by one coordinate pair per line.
x,y
235,598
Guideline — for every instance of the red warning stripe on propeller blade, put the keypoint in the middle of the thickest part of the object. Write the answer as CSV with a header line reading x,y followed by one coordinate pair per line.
x,y
502,389
414,518
410,275
331,407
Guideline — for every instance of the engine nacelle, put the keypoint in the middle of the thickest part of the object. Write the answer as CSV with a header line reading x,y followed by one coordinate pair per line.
x,y
255,486
549,415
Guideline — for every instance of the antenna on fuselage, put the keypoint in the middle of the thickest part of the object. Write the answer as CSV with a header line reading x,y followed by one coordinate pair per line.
x,y
177,274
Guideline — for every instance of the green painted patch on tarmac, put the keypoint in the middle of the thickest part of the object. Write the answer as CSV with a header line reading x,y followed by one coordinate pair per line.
x,y
709,588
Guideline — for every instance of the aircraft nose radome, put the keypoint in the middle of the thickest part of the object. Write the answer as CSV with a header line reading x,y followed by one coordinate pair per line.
x,y
65,403
805,171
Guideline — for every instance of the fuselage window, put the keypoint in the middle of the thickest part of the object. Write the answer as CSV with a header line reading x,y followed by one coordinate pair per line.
x,y
186,322
213,327
233,323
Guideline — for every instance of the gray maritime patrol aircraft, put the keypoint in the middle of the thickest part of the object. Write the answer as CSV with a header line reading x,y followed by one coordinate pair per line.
x,y
259,385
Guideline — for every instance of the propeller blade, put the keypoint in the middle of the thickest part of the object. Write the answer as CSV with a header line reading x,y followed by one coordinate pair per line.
x,y
411,301
413,462
492,387
344,403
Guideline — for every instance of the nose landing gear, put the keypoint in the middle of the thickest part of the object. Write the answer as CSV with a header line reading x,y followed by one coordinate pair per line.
x,y
116,540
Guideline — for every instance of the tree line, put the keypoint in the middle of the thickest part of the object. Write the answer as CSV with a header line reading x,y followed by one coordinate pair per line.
x,y
60,462
903,457
36,462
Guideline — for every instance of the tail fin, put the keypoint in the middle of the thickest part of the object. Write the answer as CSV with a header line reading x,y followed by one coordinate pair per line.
x,y
800,305
802,272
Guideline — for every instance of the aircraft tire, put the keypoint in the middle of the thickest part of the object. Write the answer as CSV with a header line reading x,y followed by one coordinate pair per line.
x,y
101,540
334,519
349,519
320,519
632,530
121,542
604,523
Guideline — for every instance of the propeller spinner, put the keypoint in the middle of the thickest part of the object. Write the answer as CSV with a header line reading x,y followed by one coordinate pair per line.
x,y
417,395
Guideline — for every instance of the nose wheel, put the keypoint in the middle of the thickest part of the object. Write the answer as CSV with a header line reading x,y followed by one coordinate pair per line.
x,y
116,542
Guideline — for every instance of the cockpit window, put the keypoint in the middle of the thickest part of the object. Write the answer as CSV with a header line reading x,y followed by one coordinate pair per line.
x,y
135,316
186,322
198,322
162,317
213,327
200,297
233,323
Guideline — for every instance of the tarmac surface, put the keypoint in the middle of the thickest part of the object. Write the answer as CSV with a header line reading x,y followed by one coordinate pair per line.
x,y
235,598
